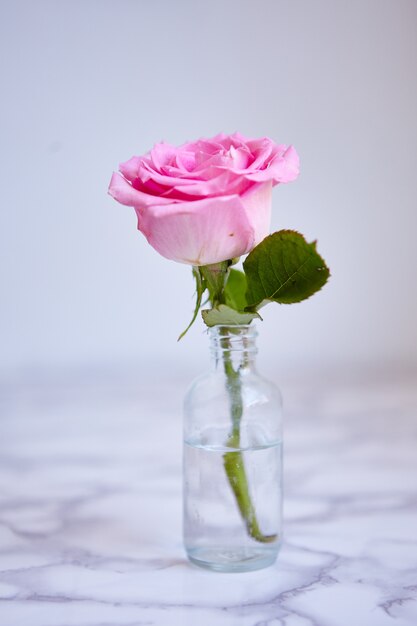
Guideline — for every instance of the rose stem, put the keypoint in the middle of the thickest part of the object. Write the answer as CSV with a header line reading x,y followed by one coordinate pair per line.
x,y
216,277
233,461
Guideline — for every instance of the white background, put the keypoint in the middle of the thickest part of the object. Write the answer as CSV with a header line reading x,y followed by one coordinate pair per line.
x,y
87,84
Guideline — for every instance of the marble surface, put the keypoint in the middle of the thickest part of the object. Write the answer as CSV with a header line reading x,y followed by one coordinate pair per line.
x,y
90,508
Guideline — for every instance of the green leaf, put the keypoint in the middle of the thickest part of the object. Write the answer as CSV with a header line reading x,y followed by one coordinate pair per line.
x,y
200,288
226,316
283,268
235,290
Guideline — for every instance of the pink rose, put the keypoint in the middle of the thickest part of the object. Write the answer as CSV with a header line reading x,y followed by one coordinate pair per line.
x,y
208,200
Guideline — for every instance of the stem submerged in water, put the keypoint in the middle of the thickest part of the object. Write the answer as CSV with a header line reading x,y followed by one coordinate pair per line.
x,y
233,461
216,277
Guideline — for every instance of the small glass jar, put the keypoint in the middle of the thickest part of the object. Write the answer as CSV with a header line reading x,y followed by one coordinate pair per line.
x,y
232,459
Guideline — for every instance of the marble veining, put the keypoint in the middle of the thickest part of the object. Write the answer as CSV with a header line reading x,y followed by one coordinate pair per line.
x,y
90,509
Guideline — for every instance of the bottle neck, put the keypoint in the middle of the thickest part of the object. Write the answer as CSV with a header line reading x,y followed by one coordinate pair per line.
x,y
234,346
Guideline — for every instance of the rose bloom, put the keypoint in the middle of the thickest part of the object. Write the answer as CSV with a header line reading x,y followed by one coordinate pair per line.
x,y
208,200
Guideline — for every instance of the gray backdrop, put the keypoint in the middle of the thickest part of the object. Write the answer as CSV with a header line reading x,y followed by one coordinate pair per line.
x,y
87,84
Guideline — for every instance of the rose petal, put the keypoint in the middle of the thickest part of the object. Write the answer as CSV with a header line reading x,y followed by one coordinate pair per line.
x,y
281,169
258,202
185,161
204,188
261,150
146,172
122,191
292,165
162,154
223,182
201,232
240,158
130,168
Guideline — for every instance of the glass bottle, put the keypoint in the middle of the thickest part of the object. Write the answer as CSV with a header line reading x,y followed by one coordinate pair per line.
x,y
232,459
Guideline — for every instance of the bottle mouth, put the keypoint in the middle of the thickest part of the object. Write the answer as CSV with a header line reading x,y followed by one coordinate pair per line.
x,y
234,329
233,338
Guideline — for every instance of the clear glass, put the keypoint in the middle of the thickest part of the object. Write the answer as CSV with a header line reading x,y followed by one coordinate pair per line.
x,y
232,459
